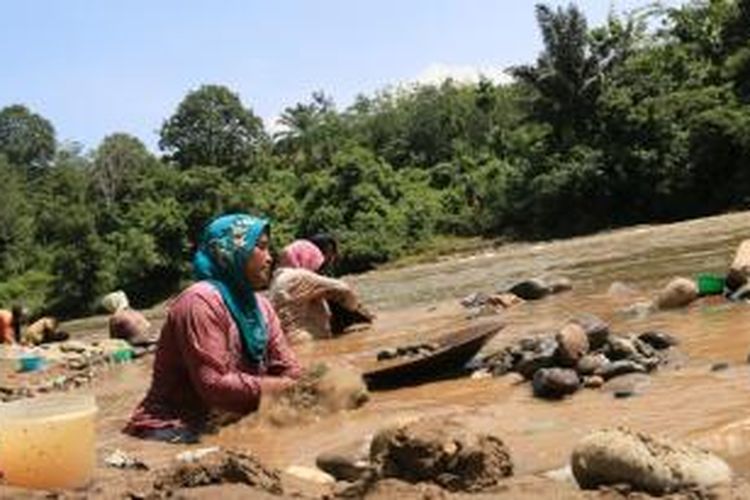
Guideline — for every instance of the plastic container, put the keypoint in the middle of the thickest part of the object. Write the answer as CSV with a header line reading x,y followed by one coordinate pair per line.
x,y
31,363
122,356
710,284
48,442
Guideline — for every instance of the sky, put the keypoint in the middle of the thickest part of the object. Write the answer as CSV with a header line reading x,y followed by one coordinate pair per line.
x,y
98,67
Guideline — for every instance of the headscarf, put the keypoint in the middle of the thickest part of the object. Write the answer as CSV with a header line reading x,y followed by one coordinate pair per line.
x,y
302,254
226,244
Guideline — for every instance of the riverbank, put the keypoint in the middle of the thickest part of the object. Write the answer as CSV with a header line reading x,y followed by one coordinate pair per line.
x,y
693,404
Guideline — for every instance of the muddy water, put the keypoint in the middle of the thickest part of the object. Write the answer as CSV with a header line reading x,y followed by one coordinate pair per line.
x,y
692,403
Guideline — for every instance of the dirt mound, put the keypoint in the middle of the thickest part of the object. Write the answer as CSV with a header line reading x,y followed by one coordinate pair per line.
x,y
322,390
221,467
441,451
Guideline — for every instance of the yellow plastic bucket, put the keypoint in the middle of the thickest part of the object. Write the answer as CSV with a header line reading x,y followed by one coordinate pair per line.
x,y
48,442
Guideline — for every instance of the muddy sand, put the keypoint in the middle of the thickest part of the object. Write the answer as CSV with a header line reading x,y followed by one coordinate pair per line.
x,y
692,404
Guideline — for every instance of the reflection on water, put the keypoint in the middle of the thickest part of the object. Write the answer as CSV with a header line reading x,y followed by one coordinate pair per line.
x,y
693,403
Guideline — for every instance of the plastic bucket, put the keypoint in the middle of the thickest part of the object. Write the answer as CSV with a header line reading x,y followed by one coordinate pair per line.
x,y
48,442
710,284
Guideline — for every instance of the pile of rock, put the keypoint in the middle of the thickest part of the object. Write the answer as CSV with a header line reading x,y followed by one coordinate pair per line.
x,y
582,353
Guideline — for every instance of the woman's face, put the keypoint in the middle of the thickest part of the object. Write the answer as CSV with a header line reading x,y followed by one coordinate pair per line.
x,y
258,266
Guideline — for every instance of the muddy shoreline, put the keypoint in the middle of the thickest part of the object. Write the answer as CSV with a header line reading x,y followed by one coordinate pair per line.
x,y
693,404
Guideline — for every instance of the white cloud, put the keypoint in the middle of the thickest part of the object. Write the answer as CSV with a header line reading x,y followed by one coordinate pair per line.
x,y
437,73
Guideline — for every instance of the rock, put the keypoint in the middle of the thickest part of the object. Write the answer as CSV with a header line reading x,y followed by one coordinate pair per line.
x,y
121,460
343,467
596,330
618,348
619,289
474,300
572,344
678,293
555,383
740,268
658,340
639,310
533,289
590,363
636,383
742,293
533,361
624,393
505,300
621,367
643,348
224,466
646,464
559,284
310,474
718,367
388,489
480,374
197,454
75,346
593,382
386,354
441,451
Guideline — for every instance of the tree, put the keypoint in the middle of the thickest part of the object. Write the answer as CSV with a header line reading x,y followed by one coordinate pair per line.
x,y
211,127
26,138
117,158
569,73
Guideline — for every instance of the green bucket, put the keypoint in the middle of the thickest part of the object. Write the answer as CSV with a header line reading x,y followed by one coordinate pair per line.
x,y
710,284
122,356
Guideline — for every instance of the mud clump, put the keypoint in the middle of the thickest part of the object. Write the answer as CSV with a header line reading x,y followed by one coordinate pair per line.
x,y
443,452
221,467
645,464
323,390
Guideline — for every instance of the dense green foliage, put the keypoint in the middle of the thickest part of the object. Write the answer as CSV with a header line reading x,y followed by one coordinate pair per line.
x,y
646,118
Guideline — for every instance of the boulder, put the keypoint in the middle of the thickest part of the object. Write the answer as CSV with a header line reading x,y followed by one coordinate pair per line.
x,y
555,383
679,292
441,451
533,289
644,463
740,268
572,344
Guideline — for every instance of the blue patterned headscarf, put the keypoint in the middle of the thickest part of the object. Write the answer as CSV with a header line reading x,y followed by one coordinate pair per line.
x,y
225,245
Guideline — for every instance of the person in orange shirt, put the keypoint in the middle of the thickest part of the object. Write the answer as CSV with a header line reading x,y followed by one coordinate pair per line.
x,y
10,325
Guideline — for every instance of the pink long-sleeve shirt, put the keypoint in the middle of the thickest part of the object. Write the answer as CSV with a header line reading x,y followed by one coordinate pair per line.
x,y
200,364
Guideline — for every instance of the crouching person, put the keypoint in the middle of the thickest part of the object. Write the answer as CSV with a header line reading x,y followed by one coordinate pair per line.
x,y
221,348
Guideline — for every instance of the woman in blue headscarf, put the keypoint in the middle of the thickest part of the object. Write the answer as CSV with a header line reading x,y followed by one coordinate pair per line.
x,y
221,347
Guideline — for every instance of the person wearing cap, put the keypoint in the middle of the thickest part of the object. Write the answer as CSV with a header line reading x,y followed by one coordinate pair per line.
x,y
221,348
304,299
